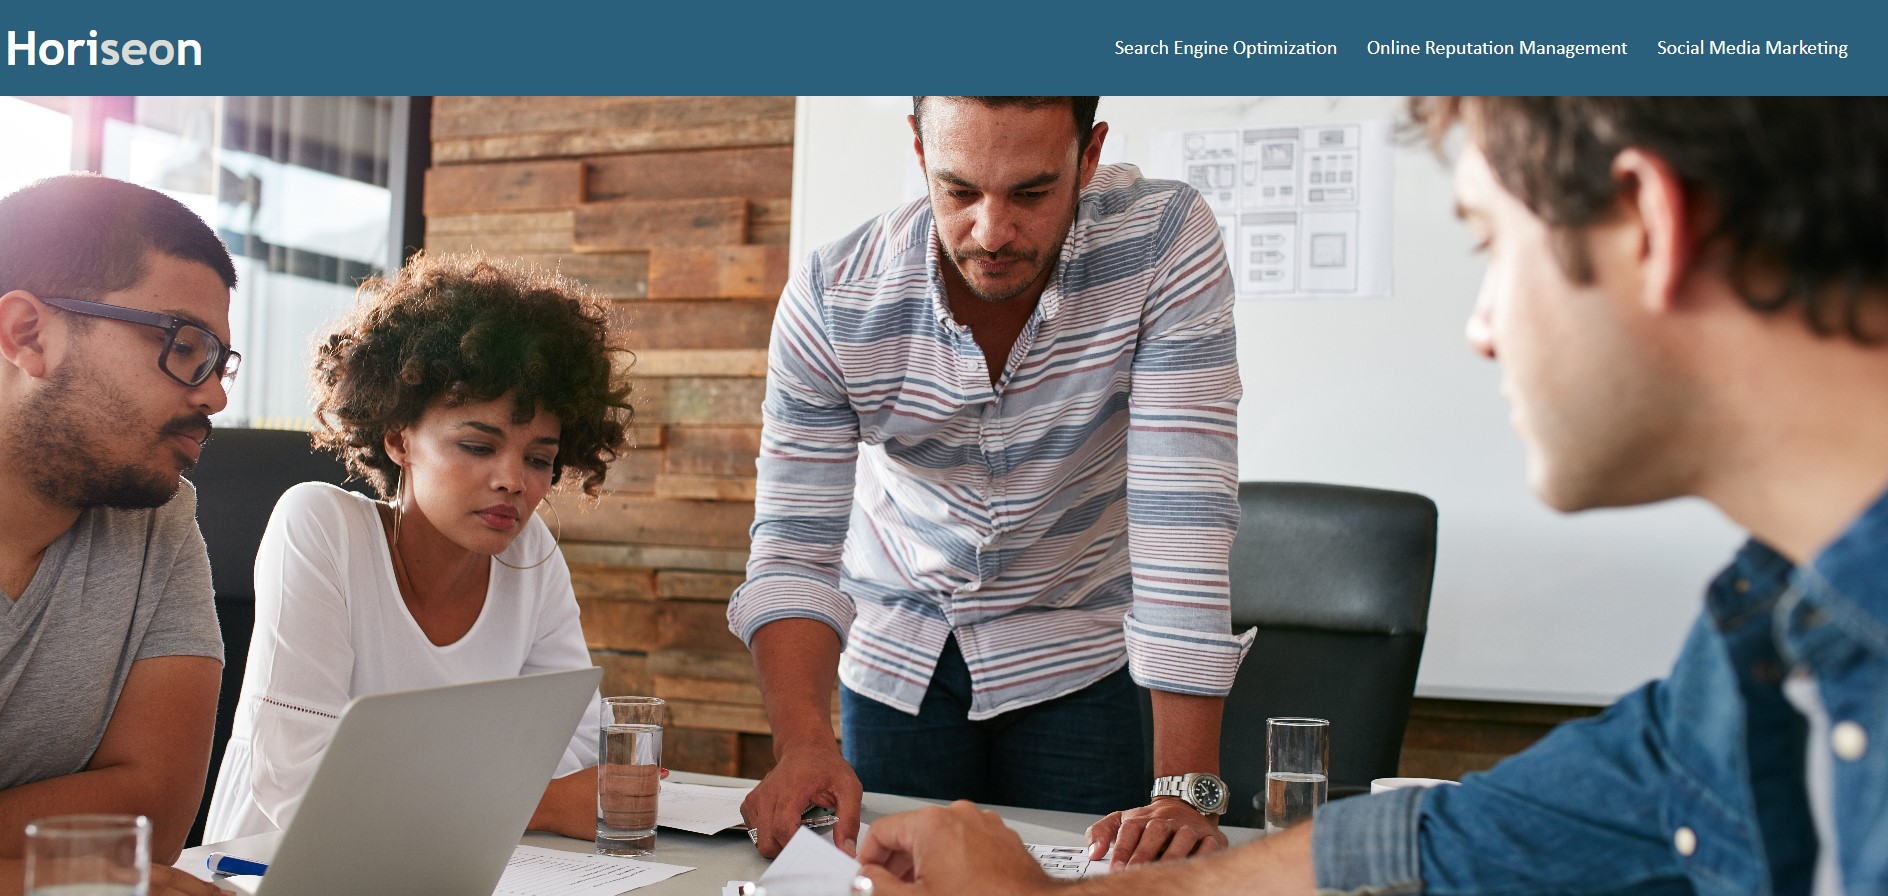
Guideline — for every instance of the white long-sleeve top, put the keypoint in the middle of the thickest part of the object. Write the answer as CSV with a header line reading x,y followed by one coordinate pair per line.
x,y
331,626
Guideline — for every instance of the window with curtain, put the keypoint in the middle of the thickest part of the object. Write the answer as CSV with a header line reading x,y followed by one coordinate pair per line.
x,y
298,189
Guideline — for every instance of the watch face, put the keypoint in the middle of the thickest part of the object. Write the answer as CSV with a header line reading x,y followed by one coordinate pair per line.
x,y
1208,792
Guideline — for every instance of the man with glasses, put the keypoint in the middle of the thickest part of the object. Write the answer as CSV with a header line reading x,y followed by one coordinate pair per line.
x,y
114,352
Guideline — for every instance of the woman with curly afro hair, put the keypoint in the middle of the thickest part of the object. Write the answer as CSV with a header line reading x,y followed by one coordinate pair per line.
x,y
462,389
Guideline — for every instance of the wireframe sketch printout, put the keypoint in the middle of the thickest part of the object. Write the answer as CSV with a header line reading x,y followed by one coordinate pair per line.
x,y
1304,210
1067,862
536,871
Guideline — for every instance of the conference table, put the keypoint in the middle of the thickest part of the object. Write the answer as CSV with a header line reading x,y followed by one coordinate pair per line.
x,y
729,855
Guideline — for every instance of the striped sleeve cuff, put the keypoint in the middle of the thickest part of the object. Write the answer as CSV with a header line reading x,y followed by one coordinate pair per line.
x,y
1366,845
776,597
1181,661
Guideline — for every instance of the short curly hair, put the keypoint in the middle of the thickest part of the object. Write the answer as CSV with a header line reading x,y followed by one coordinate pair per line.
x,y
465,328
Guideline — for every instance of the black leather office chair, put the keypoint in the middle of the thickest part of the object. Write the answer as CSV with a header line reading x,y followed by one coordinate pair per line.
x,y
1337,580
241,474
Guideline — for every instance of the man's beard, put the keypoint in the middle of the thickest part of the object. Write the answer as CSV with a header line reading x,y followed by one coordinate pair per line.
x,y
61,431
962,260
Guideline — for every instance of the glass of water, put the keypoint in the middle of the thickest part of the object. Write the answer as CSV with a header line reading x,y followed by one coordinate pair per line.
x,y
88,855
629,774
1297,770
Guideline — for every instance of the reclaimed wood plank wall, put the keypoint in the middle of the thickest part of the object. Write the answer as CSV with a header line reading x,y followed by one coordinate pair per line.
x,y
1450,738
676,210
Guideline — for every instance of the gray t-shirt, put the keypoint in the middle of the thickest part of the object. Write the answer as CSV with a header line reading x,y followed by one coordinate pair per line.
x,y
119,586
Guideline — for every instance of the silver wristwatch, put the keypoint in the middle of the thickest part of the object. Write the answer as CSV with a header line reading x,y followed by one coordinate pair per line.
x,y
1201,790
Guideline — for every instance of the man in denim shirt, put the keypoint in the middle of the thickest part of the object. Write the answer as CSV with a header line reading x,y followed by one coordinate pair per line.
x,y
1687,297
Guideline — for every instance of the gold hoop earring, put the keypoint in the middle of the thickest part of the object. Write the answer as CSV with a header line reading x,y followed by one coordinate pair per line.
x,y
398,502
555,539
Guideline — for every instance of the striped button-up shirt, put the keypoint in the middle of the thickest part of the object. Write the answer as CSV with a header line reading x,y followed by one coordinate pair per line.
x,y
1076,516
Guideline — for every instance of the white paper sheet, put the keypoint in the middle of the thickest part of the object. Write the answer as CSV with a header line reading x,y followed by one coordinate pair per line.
x,y
536,871
810,866
700,808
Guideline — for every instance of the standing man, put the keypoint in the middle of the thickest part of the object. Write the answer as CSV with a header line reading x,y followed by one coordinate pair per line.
x,y
997,487
114,327
1688,296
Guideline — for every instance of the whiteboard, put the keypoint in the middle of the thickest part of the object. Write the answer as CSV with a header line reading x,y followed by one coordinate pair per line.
x,y
1529,605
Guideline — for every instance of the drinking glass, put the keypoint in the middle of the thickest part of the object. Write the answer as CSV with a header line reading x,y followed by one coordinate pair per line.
x,y
629,774
88,855
1297,769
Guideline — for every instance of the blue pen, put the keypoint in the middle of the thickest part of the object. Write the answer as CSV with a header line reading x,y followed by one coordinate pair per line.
x,y
225,864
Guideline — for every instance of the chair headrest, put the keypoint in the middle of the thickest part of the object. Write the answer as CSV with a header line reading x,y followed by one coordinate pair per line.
x,y
1333,557
239,478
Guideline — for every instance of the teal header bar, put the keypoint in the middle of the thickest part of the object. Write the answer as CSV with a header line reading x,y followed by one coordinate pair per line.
x,y
1217,47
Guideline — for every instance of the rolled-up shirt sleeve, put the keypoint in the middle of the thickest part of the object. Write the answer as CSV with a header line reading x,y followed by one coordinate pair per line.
x,y
1584,810
1183,466
1368,845
804,482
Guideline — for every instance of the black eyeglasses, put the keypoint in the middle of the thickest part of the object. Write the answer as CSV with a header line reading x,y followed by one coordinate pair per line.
x,y
190,355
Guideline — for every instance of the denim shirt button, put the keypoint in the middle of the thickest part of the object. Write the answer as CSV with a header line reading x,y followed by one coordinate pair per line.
x,y
1685,840
1741,586
1849,740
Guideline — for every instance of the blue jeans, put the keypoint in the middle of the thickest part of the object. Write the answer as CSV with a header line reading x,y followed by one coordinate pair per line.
x,y
1081,752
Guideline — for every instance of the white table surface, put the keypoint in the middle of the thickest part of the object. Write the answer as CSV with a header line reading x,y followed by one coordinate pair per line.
x,y
729,855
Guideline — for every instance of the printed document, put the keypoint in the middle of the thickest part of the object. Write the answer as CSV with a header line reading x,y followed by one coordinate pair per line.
x,y
536,871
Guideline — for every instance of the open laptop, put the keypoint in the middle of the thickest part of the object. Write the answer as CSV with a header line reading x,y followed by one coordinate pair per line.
x,y
427,792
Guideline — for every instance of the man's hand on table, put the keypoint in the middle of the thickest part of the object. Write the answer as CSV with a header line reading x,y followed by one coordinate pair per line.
x,y
948,850
812,775
1167,828
960,850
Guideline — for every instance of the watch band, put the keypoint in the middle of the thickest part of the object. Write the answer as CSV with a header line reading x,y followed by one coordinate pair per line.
x,y
1187,788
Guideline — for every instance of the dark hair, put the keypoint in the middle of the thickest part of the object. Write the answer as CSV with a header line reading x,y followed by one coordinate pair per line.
x,y
1798,185
80,236
464,328
1082,106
